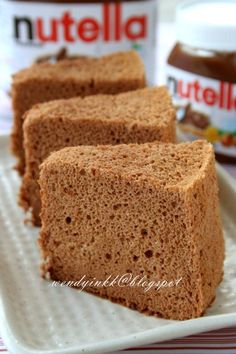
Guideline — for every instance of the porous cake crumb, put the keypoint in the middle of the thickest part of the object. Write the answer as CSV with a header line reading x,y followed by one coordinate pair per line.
x,y
148,210
42,82
139,116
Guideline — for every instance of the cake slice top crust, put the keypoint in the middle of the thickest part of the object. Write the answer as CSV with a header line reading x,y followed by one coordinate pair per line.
x,y
166,165
113,67
147,106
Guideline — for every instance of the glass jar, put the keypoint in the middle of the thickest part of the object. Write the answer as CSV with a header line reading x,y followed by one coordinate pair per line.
x,y
201,74
40,30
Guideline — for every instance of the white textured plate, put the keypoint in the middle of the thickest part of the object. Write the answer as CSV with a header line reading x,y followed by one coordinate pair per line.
x,y
37,318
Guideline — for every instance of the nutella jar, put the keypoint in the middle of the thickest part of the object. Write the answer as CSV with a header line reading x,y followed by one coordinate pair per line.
x,y
38,30
201,73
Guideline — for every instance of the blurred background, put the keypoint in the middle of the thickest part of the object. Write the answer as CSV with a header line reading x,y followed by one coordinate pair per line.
x,y
167,9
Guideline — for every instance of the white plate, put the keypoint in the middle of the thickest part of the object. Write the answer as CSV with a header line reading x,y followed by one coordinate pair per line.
x,y
37,318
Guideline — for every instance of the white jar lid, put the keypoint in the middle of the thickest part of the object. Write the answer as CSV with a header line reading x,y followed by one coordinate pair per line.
x,y
207,24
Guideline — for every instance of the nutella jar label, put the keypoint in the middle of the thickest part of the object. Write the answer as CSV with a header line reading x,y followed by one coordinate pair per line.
x,y
206,108
34,31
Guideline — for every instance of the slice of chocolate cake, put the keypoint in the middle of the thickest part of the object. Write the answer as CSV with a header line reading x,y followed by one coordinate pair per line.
x,y
139,116
150,211
118,72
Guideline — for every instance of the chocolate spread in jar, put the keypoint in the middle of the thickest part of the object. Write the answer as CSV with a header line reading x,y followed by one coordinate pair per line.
x,y
38,30
201,75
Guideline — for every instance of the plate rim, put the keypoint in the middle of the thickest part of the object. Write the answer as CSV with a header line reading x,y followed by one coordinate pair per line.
x,y
172,331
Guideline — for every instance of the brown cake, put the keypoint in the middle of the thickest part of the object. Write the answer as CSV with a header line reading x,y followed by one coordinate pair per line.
x,y
150,210
43,82
135,117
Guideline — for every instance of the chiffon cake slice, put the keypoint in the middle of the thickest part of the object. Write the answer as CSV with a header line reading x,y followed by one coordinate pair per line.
x,y
150,211
139,116
42,82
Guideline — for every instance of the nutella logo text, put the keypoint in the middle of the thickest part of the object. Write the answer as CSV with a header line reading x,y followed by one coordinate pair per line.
x,y
111,27
222,97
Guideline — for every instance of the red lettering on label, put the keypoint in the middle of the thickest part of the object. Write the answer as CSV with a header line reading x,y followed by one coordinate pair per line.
x,y
111,26
221,101
118,22
229,96
88,30
52,36
223,96
210,96
106,22
196,91
67,22
130,28
180,89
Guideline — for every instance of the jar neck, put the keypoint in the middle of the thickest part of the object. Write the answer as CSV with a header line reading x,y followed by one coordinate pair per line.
x,y
215,65
207,53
